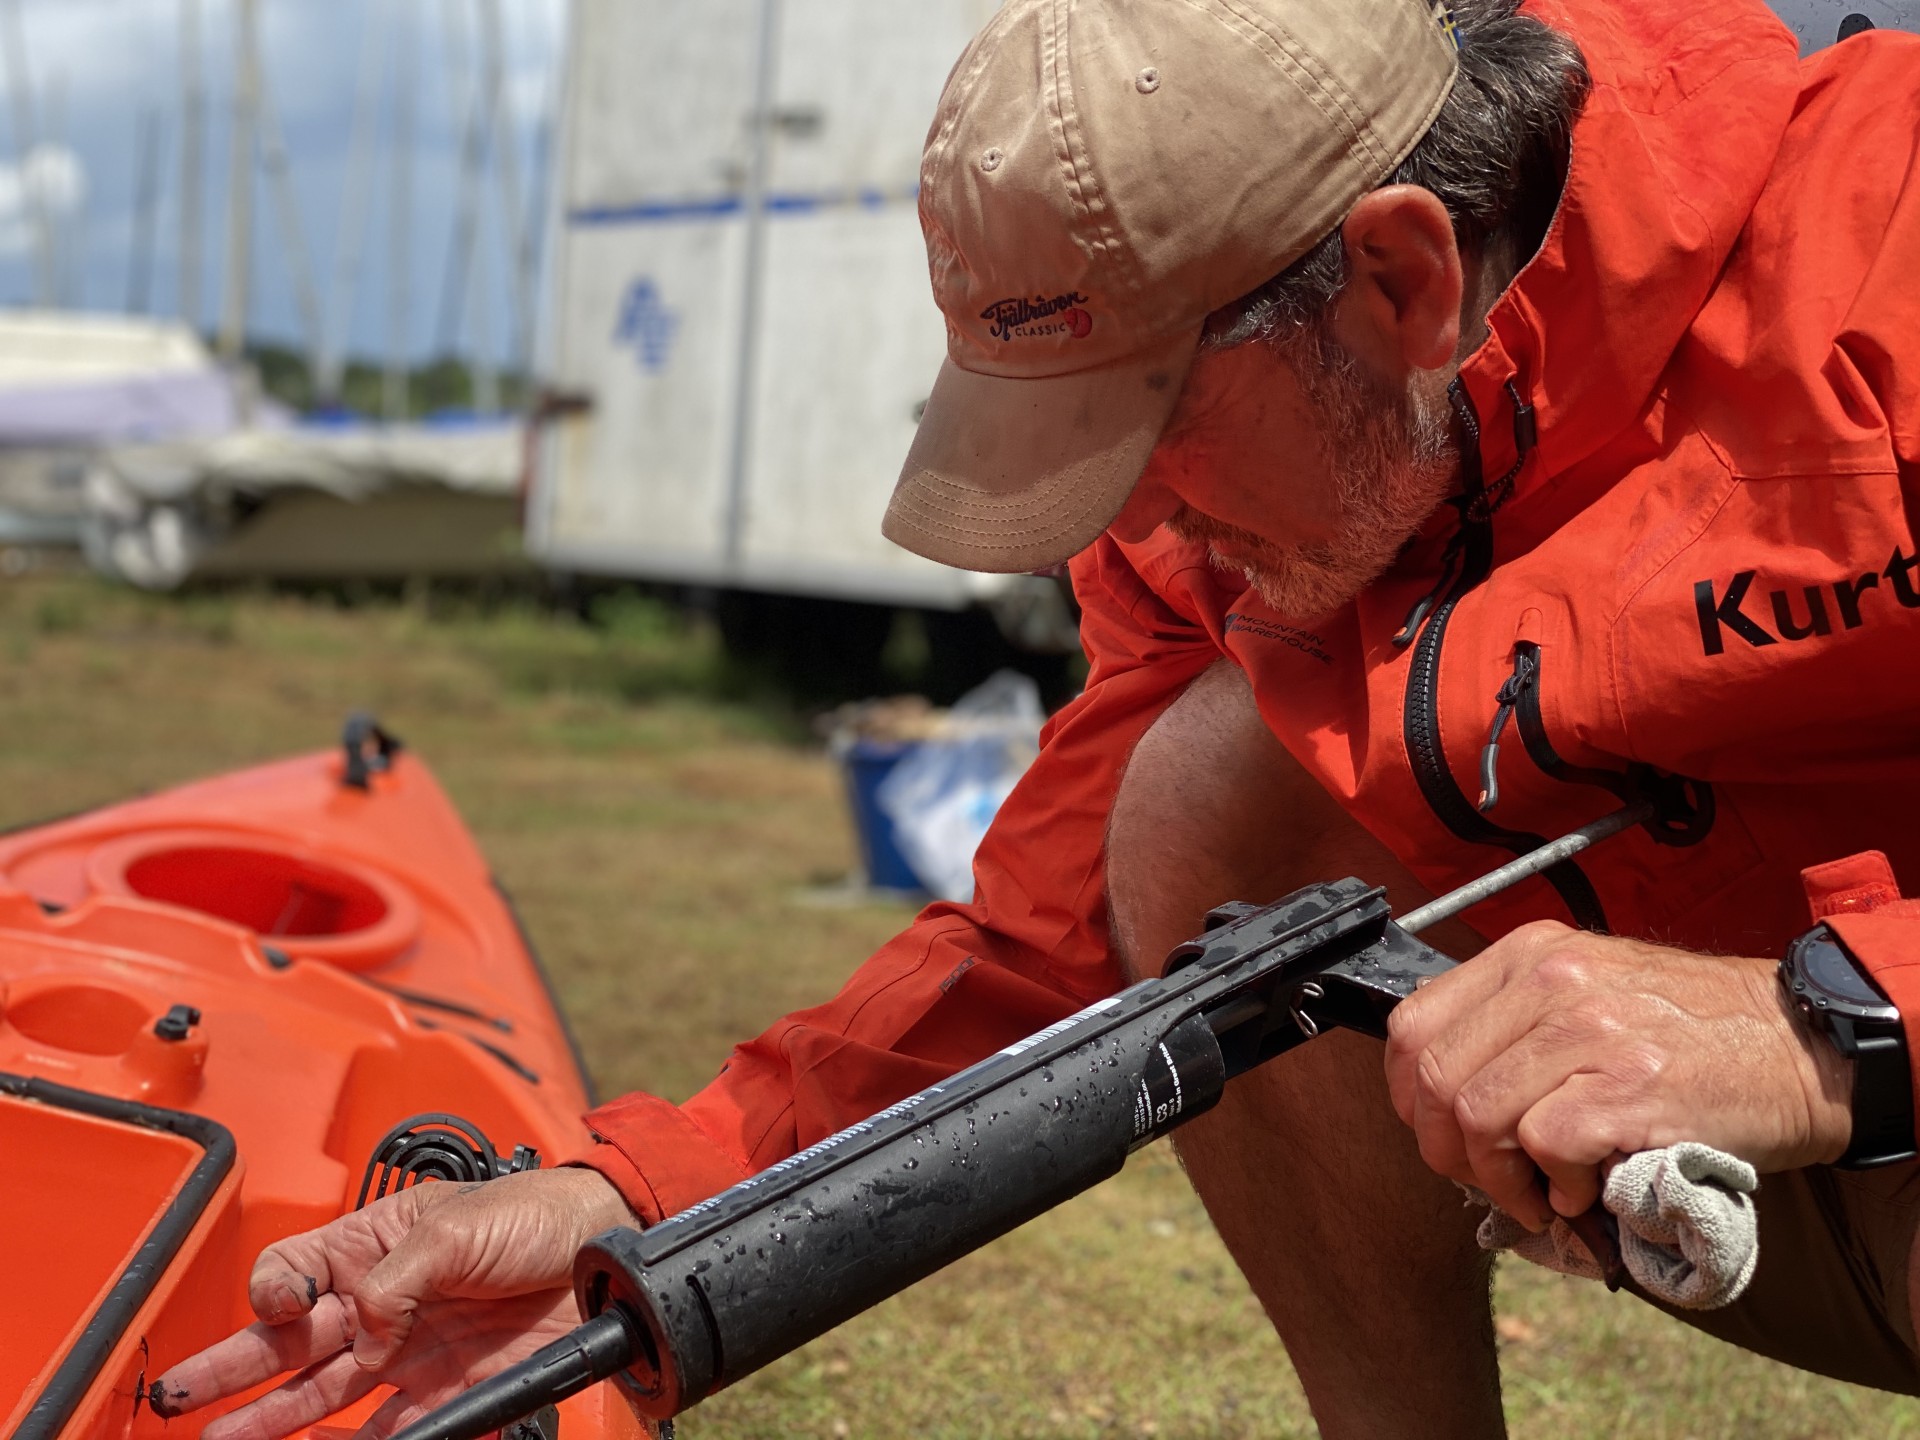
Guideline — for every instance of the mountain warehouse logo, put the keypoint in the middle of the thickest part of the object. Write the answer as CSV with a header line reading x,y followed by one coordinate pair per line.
x,y
1802,615
1022,319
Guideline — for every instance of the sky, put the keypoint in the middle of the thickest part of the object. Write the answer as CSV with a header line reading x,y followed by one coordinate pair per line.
x,y
107,86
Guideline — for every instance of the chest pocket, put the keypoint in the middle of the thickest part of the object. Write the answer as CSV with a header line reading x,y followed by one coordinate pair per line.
x,y
1655,882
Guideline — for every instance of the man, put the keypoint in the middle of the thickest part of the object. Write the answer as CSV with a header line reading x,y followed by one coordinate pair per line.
x,y
1397,402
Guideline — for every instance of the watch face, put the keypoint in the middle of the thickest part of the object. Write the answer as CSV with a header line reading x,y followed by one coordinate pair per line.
x,y
1830,974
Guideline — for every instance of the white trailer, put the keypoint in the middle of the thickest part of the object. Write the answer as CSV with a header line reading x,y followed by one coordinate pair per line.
x,y
741,299
741,304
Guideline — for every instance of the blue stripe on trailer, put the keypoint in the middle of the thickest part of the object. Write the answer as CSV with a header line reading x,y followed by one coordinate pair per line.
x,y
718,207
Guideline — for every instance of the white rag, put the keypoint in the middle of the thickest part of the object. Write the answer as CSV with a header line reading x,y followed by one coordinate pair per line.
x,y
1688,1232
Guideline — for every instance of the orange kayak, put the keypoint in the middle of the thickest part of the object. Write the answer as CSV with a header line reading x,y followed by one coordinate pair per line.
x,y
216,1004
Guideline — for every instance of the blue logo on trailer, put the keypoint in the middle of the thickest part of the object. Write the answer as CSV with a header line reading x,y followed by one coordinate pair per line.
x,y
647,324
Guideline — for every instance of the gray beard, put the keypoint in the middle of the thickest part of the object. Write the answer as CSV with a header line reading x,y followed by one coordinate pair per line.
x,y
1392,458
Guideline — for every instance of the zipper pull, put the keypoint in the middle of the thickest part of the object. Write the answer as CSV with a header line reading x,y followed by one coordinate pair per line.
x,y
1526,663
1423,607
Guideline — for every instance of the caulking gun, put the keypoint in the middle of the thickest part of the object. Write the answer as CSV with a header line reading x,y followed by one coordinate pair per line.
x,y
708,1296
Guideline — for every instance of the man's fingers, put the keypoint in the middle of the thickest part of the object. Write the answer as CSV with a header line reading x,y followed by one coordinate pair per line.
x,y
1452,1067
400,1409
257,1353
434,1255
1536,1071
1573,1132
1426,1015
312,1395
291,1275
1439,1008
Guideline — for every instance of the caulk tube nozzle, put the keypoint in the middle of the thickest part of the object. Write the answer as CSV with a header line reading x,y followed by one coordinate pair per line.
x,y
601,1347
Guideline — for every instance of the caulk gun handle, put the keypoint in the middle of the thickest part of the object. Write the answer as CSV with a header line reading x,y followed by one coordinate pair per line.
x,y
1361,990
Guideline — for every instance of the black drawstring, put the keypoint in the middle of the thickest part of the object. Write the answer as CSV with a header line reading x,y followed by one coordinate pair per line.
x,y
1477,502
1422,607
1526,435
1526,663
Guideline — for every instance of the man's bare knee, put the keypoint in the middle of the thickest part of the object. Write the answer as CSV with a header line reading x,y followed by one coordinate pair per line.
x,y
1213,808
1199,788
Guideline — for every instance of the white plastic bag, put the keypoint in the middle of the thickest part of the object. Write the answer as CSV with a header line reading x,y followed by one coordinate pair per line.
x,y
942,796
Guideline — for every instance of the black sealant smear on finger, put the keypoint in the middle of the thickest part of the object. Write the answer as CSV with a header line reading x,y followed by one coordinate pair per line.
x,y
165,1405
313,1289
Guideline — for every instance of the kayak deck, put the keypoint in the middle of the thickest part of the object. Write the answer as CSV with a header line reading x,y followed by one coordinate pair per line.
x,y
215,1002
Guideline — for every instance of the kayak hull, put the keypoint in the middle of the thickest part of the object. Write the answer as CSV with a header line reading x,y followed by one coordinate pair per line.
x,y
215,1002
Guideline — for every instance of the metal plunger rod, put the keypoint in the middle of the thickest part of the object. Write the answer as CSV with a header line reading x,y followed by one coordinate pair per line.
x,y
1514,871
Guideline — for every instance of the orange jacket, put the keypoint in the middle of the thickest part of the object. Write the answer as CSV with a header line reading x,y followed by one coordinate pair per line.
x,y
1687,550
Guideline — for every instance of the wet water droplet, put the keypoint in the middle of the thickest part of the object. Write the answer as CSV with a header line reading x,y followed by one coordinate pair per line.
x,y
779,1237
909,1164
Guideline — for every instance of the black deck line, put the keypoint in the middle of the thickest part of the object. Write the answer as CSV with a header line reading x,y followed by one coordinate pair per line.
x,y
553,997
83,1363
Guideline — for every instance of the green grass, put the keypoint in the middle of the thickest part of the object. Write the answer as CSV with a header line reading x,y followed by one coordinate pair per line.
x,y
659,820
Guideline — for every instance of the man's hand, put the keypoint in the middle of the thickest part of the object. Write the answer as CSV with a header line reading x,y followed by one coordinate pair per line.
x,y
1554,1050
428,1290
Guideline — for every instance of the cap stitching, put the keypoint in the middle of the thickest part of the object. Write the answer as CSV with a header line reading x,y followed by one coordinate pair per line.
x,y
907,522
974,61
1082,186
967,499
915,519
1352,117
1321,88
974,58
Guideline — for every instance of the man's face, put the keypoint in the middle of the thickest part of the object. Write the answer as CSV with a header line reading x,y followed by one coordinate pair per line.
x,y
1297,467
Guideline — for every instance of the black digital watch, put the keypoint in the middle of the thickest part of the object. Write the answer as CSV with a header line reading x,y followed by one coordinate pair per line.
x,y
1838,999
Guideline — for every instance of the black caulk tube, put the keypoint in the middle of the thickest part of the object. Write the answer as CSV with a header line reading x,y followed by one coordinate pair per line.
x,y
716,1292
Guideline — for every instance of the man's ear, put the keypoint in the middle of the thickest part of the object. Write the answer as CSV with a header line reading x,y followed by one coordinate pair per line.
x,y
1401,305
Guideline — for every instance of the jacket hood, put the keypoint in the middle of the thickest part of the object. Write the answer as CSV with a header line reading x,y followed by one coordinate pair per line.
x,y
1687,109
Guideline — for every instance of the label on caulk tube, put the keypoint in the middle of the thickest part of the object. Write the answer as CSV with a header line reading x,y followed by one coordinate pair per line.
x,y
855,1131
1184,1074
1059,1027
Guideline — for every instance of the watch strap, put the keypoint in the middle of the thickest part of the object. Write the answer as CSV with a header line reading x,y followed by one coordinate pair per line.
x,y
1838,998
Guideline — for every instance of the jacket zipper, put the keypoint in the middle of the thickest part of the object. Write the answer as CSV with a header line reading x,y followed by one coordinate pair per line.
x,y
1421,714
1683,808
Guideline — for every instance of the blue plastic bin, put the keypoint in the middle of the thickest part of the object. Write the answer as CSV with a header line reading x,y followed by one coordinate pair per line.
x,y
866,763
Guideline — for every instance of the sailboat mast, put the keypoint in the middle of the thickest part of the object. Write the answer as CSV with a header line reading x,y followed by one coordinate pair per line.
x,y
67,233
146,211
193,145
293,236
26,144
246,105
350,238
464,290
393,402
515,238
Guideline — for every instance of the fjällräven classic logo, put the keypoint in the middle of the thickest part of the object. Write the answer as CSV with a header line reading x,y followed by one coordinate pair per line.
x,y
1022,319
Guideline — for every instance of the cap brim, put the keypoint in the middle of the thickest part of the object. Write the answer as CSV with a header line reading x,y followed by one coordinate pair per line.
x,y
1008,475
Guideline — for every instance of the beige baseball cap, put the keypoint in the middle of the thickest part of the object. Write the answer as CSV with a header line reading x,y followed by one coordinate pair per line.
x,y
1100,176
